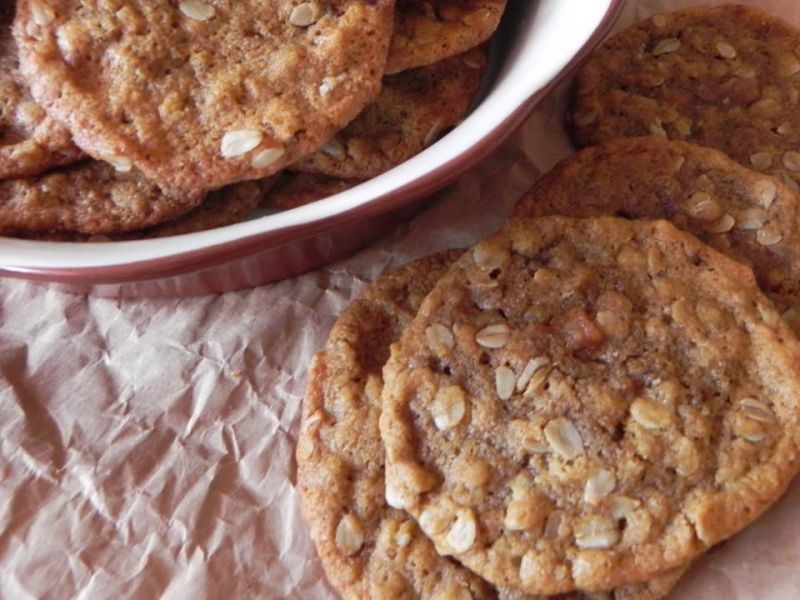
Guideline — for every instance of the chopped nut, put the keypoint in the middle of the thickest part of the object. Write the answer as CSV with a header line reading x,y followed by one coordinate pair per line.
x,y
578,330
463,532
791,160
527,512
761,160
564,438
197,10
504,382
596,531
723,225
666,46
758,411
599,485
752,219
769,235
650,415
304,14
238,142
266,158
493,336
702,206
410,480
530,370
536,382
725,50
766,191
552,526
440,339
349,535
449,406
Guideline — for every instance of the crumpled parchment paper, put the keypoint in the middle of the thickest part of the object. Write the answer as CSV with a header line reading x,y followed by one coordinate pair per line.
x,y
146,446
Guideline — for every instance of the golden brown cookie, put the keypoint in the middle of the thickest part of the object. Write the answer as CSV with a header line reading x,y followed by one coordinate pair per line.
x,y
428,31
412,111
727,77
201,94
299,189
586,403
30,141
368,549
89,197
741,213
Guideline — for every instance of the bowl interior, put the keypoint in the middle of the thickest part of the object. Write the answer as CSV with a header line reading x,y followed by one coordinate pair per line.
x,y
537,40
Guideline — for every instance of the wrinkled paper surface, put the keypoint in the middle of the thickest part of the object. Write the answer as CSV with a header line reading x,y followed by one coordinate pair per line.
x,y
146,445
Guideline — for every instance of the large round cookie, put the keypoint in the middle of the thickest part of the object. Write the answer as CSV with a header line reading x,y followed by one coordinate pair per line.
x,y
427,31
741,213
368,549
727,77
584,403
30,141
413,109
201,94
89,197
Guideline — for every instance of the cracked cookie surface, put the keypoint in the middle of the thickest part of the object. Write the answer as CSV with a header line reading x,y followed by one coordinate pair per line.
x,y
727,77
427,31
412,111
30,141
202,94
580,404
743,214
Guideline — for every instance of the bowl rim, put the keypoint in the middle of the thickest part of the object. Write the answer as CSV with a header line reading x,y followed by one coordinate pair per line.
x,y
163,257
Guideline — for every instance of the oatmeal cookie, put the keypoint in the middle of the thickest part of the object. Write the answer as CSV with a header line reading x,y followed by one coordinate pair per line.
x,y
89,197
428,31
582,404
741,213
727,77
368,549
30,141
201,94
412,111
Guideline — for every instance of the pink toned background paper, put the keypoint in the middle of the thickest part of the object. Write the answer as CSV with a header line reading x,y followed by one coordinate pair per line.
x,y
146,446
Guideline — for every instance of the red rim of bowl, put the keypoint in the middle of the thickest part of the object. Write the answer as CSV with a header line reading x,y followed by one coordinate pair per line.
x,y
434,180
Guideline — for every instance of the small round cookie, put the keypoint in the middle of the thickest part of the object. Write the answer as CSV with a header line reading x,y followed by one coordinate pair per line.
x,y
368,549
299,189
89,197
412,111
580,404
727,77
30,141
199,94
748,216
428,31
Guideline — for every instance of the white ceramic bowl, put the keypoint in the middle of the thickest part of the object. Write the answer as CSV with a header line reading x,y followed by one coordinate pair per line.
x,y
538,43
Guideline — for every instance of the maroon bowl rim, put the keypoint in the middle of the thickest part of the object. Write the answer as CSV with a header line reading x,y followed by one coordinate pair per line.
x,y
431,182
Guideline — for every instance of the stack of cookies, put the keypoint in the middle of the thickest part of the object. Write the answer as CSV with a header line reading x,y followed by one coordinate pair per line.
x,y
123,120
586,401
